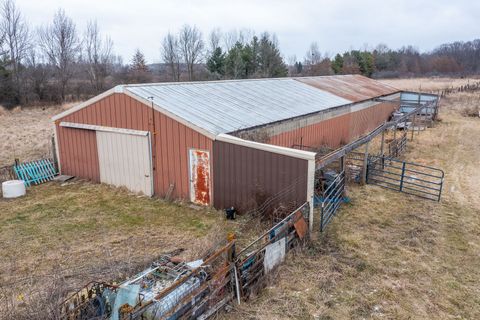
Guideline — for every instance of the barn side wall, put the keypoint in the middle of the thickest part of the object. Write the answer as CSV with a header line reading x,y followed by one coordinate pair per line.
x,y
337,130
245,177
171,142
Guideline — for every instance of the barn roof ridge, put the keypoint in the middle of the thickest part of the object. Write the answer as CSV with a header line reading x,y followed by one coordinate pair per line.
x,y
223,106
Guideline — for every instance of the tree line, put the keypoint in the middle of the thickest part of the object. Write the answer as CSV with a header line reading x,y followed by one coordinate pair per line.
x,y
58,62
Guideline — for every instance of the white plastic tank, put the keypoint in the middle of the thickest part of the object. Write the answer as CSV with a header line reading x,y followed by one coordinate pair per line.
x,y
13,189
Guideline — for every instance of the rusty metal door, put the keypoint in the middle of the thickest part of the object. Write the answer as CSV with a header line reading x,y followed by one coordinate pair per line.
x,y
199,176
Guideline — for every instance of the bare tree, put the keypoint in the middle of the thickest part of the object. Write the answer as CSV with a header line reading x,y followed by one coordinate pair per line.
x,y
171,55
313,55
17,39
60,43
230,39
191,46
234,36
37,75
214,39
98,55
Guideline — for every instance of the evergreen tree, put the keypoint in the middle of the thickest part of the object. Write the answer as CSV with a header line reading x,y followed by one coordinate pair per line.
x,y
139,63
365,62
337,64
235,62
270,61
216,62
138,71
298,66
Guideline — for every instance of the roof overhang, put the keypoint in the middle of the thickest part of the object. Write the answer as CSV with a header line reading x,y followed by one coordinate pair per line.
x,y
103,128
300,154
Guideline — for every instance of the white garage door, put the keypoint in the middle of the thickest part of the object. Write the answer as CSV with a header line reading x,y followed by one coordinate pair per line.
x,y
125,160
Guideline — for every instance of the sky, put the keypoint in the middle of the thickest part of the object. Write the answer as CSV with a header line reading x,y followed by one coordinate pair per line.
x,y
336,25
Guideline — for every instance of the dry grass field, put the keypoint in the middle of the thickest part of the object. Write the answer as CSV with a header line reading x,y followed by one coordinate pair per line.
x,y
59,237
25,133
392,256
429,84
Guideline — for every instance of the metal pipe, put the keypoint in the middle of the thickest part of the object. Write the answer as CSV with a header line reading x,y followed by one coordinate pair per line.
x,y
365,163
237,283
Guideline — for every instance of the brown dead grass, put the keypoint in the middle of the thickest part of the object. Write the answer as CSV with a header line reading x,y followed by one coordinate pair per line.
x,y
429,84
83,232
392,256
25,133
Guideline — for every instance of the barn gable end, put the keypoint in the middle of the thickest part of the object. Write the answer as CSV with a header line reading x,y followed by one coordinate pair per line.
x,y
171,141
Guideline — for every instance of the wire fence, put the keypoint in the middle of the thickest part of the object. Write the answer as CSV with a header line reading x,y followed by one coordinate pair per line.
x,y
265,253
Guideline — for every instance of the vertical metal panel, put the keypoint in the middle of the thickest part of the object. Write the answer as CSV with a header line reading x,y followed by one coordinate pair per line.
x,y
245,175
338,130
78,152
200,186
125,160
171,159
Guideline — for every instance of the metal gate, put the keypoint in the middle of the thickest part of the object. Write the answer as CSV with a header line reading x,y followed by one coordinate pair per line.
x,y
414,179
331,199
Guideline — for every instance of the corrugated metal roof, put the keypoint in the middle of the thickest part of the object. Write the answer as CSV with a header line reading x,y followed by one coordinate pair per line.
x,y
352,87
227,106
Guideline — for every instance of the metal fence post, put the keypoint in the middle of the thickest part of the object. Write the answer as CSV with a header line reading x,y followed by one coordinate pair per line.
x,y
383,142
237,283
54,154
365,162
321,215
343,163
403,175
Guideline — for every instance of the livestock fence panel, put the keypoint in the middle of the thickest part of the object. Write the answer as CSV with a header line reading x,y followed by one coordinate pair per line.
x,y
398,146
260,257
331,199
410,178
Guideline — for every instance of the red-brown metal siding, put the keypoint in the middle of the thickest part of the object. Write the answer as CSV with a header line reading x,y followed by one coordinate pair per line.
x,y
171,141
80,148
244,175
338,130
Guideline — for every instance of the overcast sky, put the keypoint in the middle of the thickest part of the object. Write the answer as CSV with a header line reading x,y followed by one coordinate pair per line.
x,y
337,25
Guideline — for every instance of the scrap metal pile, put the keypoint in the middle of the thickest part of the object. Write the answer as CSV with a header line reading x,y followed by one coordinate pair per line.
x,y
173,289
168,289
